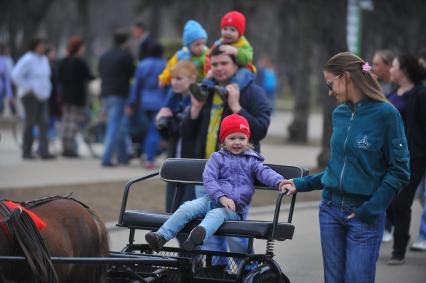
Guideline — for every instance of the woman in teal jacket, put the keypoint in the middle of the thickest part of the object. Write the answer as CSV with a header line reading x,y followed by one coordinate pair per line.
x,y
368,166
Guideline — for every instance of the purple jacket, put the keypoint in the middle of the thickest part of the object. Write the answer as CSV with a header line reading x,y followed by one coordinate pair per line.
x,y
233,176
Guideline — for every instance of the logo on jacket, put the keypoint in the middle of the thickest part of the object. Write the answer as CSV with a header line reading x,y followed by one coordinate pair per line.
x,y
363,143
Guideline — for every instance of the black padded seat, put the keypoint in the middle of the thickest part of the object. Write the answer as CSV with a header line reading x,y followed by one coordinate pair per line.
x,y
190,171
147,220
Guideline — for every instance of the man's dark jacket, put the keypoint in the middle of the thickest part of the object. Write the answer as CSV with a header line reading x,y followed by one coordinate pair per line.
x,y
116,69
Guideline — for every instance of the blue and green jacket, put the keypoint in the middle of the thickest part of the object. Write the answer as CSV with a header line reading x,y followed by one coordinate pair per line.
x,y
369,162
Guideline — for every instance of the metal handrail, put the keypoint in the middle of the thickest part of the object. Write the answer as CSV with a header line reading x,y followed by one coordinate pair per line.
x,y
126,193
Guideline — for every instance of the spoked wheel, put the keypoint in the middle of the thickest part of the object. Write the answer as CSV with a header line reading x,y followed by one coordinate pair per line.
x,y
261,268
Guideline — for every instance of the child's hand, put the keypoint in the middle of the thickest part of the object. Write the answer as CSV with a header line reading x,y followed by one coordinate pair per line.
x,y
227,203
228,49
287,185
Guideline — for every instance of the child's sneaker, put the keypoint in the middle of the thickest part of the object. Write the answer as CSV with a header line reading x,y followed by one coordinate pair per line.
x,y
195,238
155,241
418,246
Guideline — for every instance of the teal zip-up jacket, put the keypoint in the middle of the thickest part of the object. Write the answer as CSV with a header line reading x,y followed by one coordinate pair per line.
x,y
369,162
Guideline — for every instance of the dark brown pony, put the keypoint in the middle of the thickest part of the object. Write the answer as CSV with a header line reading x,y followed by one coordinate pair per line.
x,y
73,230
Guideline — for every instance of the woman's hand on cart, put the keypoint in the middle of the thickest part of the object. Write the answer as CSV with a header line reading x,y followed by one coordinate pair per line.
x,y
287,185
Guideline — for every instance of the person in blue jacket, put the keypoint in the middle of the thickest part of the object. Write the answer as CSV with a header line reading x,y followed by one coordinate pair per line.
x,y
368,167
147,97
229,182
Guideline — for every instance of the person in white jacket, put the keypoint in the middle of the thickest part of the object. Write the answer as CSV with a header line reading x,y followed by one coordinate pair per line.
x,y
31,76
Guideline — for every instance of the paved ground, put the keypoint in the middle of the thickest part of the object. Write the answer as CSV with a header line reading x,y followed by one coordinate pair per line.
x,y
101,188
16,173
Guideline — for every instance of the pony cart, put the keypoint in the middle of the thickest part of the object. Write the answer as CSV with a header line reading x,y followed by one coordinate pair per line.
x,y
137,262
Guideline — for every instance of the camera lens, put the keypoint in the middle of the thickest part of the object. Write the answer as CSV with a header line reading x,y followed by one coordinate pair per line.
x,y
163,123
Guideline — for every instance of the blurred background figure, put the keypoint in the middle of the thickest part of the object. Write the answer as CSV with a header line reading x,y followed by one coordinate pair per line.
x,y
422,62
382,62
267,78
410,99
194,49
115,69
73,75
5,78
31,75
55,104
148,97
183,73
144,43
420,242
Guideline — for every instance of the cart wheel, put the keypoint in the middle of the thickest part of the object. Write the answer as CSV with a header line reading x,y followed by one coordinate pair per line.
x,y
261,268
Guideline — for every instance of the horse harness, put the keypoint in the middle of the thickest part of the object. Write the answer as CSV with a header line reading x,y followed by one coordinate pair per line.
x,y
6,211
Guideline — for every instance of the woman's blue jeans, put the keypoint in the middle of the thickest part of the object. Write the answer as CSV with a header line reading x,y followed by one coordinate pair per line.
x,y
350,248
214,215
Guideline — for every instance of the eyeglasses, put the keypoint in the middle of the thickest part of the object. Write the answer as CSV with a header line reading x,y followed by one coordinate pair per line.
x,y
330,83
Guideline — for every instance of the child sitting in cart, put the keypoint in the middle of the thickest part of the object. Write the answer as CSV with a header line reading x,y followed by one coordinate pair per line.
x,y
229,182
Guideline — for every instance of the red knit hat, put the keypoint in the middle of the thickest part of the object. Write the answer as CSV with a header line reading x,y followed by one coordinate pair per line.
x,y
234,19
234,123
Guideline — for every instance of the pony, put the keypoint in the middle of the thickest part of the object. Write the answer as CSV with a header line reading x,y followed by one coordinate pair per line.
x,y
72,230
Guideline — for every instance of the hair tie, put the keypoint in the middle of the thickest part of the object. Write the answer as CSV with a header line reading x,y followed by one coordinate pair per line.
x,y
366,67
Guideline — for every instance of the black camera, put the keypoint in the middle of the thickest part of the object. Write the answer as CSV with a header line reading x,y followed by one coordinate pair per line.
x,y
170,121
164,122
202,91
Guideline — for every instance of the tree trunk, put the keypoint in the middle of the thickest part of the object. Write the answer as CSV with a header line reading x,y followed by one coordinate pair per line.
x,y
332,38
298,129
25,22
83,13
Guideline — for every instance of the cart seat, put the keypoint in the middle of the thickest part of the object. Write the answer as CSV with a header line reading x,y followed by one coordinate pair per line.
x,y
147,220
190,171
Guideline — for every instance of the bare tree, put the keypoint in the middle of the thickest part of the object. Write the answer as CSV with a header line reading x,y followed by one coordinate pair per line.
x,y
22,19
397,25
302,46
332,39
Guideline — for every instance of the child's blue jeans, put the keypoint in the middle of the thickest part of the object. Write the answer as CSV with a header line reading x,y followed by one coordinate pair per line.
x,y
224,243
214,215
